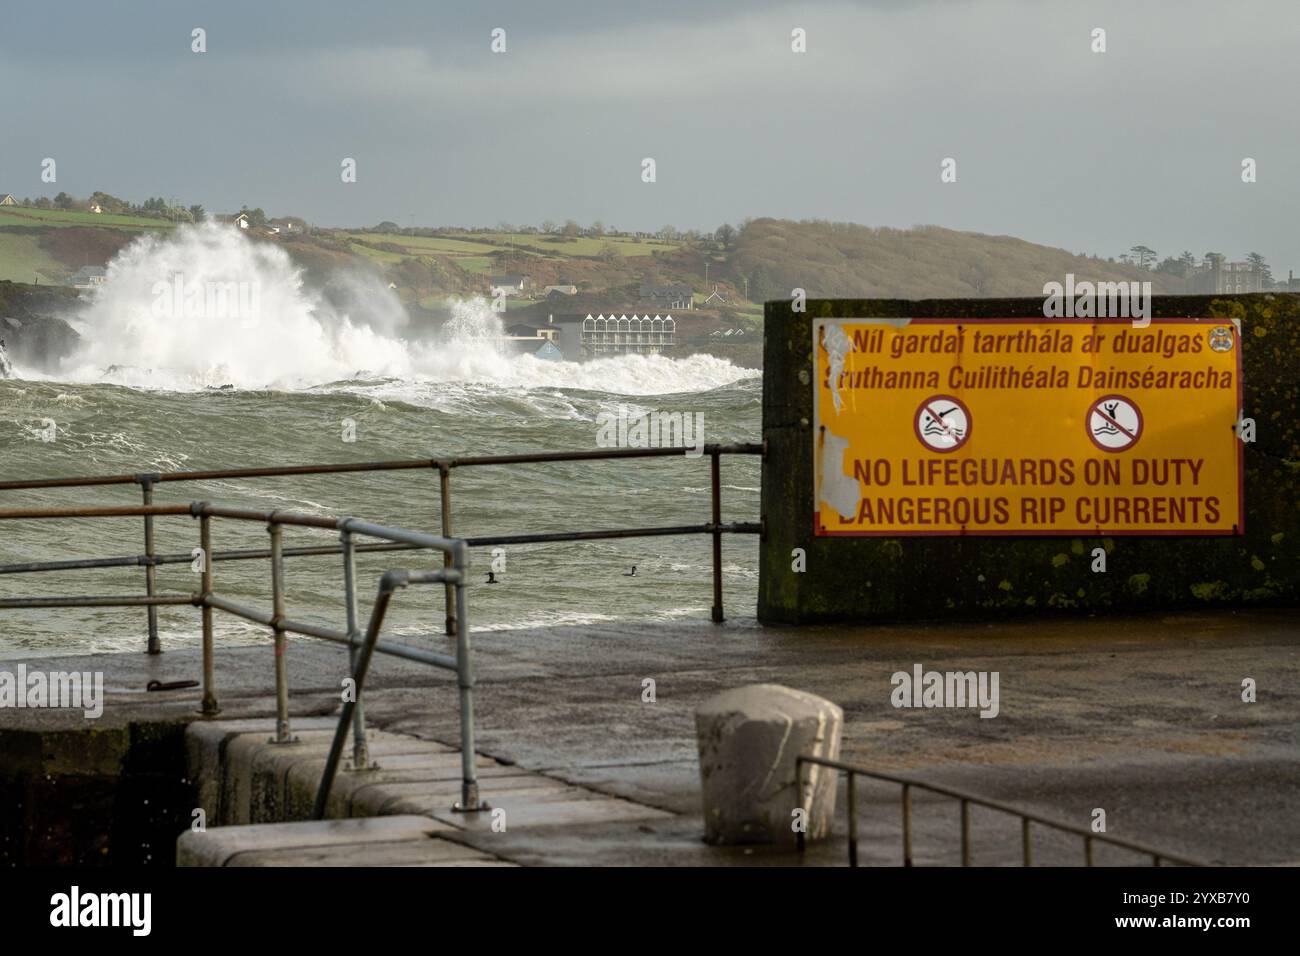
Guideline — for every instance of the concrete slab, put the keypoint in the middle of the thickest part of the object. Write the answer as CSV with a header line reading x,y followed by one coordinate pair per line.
x,y
429,852
216,845
303,780
545,808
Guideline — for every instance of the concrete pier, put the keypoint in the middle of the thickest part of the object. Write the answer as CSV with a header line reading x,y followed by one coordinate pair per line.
x,y
1140,716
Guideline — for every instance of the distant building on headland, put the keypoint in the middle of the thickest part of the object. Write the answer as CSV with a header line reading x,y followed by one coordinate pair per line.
x,y
88,277
1217,277
678,295
589,336
510,285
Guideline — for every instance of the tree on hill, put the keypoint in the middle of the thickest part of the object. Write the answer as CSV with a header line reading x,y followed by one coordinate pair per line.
x,y
1261,266
1143,256
197,213
109,203
725,234
256,217
571,228
1172,266
64,201
388,226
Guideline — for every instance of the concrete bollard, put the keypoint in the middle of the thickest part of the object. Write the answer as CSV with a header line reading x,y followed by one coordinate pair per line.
x,y
749,738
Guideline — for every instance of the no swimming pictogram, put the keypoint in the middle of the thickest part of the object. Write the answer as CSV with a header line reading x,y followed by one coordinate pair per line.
x,y
1114,423
942,423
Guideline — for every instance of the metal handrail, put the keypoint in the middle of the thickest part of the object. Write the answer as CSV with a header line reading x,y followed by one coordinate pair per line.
x,y
147,480
360,651
967,800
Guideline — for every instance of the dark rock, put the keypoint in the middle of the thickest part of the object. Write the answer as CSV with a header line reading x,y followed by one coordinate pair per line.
x,y
32,324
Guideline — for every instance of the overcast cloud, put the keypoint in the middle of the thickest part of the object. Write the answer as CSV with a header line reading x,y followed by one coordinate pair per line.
x,y
1055,144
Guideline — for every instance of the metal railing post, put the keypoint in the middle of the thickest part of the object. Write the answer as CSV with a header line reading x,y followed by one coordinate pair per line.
x,y
1087,851
965,833
209,707
1028,844
800,841
717,535
444,487
150,573
853,819
282,734
469,798
907,825
360,752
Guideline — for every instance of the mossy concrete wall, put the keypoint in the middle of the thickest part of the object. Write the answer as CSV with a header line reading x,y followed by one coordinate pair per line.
x,y
880,579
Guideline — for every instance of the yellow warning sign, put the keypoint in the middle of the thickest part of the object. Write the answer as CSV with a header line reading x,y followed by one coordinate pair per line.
x,y
1027,426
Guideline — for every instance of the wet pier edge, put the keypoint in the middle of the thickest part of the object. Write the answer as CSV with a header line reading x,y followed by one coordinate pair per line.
x,y
1093,713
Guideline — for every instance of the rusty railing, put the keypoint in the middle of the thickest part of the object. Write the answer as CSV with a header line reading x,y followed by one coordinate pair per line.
x,y
360,647
967,800
148,481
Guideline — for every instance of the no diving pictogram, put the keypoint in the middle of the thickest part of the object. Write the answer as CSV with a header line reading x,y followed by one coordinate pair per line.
x,y
942,423
1114,423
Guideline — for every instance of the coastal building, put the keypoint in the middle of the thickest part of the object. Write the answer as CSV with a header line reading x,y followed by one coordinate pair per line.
x,y
525,330
1217,277
7,200
88,277
510,285
677,295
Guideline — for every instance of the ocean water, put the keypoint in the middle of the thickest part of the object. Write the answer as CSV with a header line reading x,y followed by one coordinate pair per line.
x,y
145,394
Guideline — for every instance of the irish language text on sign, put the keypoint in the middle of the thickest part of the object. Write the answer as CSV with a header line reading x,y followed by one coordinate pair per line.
x,y
1026,426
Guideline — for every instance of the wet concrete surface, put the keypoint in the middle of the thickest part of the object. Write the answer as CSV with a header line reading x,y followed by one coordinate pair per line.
x,y
1140,716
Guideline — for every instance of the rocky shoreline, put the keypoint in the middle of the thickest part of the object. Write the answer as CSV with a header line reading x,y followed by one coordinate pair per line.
x,y
32,326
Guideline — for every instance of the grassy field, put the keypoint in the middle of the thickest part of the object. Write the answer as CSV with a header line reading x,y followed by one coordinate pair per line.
x,y
370,252
481,243
424,245
23,260
58,218
577,246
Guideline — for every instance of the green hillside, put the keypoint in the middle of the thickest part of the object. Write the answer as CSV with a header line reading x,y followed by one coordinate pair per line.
x,y
764,259
49,245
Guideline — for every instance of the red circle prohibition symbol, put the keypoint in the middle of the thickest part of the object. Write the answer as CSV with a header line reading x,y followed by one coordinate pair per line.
x,y
1113,421
946,419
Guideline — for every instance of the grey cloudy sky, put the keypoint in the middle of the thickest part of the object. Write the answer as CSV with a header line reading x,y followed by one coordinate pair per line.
x,y
1055,144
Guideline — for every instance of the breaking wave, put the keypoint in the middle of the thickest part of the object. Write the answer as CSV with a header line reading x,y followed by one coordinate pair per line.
x,y
207,307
